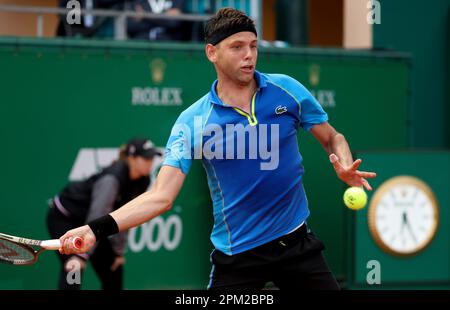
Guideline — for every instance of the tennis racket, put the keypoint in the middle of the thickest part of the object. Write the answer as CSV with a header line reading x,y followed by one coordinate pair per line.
x,y
23,251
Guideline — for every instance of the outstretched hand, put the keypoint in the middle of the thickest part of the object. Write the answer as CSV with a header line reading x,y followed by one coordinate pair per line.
x,y
351,175
85,233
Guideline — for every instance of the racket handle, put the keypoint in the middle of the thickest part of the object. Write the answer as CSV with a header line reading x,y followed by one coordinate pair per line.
x,y
77,243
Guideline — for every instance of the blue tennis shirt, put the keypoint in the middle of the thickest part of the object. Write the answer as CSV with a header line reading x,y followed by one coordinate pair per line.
x,y
252,161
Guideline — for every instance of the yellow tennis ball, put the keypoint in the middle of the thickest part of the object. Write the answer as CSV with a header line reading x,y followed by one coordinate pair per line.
x,y
355,198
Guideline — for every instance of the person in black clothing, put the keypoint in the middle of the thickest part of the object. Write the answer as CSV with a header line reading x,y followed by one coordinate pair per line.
x,y
156,29
81,201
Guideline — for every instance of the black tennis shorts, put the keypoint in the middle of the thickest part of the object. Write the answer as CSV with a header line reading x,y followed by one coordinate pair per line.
x,y
291,262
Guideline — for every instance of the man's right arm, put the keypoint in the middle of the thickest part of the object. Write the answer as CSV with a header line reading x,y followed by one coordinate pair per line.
x,y
139,210
153,203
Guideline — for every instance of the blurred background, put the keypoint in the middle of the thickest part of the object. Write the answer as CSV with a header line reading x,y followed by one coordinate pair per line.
x,y
76,84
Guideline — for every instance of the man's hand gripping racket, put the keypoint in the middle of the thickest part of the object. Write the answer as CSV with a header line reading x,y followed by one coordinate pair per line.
x,y
67,240
22,251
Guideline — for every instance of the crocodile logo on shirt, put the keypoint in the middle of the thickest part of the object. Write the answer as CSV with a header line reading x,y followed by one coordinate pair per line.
x,y
280,110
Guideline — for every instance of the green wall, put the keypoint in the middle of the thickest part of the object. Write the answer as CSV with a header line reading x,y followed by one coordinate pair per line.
x,y
60,96
430,267
422,29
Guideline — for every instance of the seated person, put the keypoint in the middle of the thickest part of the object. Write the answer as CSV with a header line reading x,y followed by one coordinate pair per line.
x,y
156,29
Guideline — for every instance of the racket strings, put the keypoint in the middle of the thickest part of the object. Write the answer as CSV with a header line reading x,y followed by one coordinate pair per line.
x,y
14,253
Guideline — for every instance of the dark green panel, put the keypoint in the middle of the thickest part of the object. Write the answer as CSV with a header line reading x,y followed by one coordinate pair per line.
x,y
293,27
447,52
429,268
421,28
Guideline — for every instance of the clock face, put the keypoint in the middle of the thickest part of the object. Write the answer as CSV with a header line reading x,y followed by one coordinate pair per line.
x,y
403,216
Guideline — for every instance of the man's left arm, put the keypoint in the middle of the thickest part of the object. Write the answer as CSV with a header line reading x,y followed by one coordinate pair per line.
x,y
340,156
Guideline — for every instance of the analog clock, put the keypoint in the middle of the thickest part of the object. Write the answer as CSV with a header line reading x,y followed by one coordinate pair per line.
x,y
403,216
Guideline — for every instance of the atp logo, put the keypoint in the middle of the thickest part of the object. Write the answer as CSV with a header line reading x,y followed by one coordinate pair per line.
x,y
92,160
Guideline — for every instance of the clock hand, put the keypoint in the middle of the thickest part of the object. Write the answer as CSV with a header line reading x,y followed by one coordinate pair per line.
x,y
410,229
403,221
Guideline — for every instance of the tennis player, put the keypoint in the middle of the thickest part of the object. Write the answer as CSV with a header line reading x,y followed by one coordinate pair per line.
x,y
245,132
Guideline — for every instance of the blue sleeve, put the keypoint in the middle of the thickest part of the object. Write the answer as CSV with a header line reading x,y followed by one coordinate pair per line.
x,y
179,148
185,141
310,112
